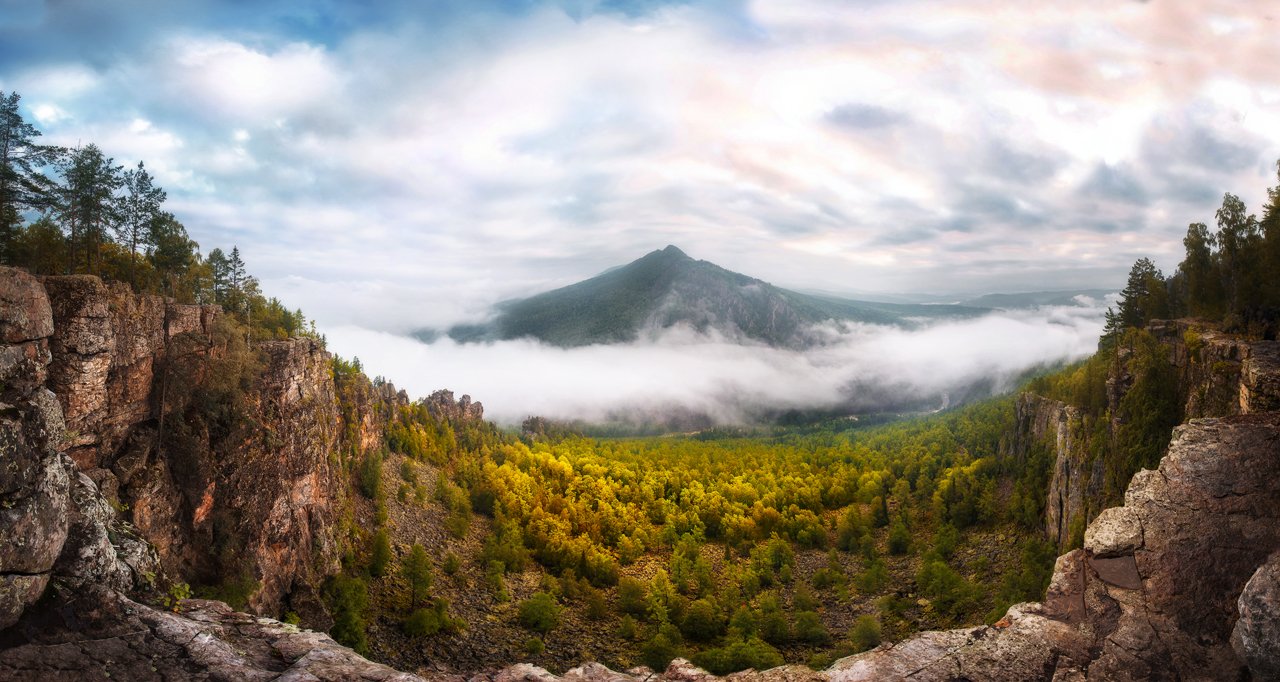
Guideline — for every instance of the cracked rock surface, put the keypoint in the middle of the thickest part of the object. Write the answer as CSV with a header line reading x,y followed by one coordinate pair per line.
x,y
102,634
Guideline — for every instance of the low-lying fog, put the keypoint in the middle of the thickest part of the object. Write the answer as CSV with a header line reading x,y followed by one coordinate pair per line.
x,y
865,368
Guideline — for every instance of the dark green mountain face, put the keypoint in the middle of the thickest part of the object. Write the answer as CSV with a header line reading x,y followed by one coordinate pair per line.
x,y
667,288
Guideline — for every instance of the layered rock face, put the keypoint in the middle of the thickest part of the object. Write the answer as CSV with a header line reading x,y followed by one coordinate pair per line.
x,y
1217,376
56,530
271,492
95,370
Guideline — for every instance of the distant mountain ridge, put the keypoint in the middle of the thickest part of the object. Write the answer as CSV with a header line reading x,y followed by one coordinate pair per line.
x,y
666,288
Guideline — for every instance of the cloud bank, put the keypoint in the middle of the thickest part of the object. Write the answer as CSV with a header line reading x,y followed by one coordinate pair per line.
x,y
864,369
449,154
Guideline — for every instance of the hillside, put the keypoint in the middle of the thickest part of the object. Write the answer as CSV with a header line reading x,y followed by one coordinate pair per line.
x,y
296,488
666,288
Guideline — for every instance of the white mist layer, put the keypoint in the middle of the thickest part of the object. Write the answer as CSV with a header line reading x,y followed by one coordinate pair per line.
x,y
679,370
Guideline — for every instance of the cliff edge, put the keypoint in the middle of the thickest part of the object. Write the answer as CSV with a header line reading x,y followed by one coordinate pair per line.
x,y
1180,582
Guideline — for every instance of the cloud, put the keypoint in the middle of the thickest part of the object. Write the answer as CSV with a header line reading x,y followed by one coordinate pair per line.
x,y
469,152
862,368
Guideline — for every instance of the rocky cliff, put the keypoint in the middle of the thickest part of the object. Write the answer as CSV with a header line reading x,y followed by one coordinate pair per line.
x,y
123,436
227,460
1216,375
57,533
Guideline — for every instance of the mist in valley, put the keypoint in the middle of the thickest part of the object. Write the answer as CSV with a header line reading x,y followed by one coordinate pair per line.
x,y
679,376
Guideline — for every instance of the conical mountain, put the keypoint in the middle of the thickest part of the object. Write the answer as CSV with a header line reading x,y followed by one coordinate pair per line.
x,y
666,288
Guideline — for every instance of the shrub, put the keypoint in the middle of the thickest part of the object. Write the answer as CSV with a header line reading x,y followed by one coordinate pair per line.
x,y
452,562
597,607
627,628
865,634
658,652
540,613
702,623
348,599
429,621
631,597
899,538
810,630
371,474
739,654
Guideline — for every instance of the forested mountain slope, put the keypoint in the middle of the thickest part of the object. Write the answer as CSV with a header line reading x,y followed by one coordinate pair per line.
x,y
667,288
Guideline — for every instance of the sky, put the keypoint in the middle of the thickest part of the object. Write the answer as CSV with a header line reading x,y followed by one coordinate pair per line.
x,y
396,165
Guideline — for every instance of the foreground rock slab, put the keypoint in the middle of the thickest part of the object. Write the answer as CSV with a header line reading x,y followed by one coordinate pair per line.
x,y
104,635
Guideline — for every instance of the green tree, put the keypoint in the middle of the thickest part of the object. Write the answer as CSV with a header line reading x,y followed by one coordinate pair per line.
x,y
348,599
88,206
40,248
176,259
702,621
139,210
379,553
810,629
23,184
416,567
899,538
1202,287
1143,298
218,269
1237,241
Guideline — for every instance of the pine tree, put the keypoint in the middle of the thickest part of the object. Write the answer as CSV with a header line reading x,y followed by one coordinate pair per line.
x,y
220,271
417,570
139,210
88,207
23,184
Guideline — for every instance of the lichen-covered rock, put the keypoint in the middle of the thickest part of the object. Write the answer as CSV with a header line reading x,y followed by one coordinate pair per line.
x,y
101,634
442,405
24,308
100,549
34,479
1260,379
1117,531
1256,637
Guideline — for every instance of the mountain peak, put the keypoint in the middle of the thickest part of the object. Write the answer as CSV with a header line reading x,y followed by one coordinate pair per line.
x,y
666,287
673,251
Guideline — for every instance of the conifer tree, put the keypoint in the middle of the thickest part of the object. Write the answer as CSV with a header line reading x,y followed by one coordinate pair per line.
x,y
23,184
88,206
139,210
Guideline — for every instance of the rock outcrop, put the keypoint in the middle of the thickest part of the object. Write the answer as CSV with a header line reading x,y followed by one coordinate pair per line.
x,y
1217,375
268,492
1076,479
252,497
105,635
56,530
1255,637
